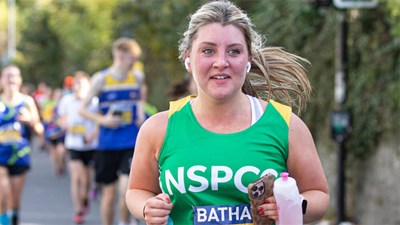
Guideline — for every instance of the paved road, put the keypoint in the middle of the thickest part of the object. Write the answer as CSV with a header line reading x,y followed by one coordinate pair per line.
x,y
46,198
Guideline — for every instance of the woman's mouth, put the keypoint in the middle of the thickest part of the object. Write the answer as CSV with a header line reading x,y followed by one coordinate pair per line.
x,y
220,77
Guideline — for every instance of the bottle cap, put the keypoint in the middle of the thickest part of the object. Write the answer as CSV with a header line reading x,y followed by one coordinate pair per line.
x,y
285,176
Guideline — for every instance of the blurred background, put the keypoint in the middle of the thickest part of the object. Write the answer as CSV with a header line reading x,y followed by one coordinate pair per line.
x,y
354,113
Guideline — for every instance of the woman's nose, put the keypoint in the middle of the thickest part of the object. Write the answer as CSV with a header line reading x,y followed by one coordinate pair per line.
x,y
221,61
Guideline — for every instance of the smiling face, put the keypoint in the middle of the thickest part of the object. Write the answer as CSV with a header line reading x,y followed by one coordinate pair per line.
x,y
11,78
218,60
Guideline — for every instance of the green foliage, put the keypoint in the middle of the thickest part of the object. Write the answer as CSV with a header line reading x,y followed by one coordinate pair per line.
x,y
157,26
374,79
373,86
85,31
61,37
39,49
393,9
3,29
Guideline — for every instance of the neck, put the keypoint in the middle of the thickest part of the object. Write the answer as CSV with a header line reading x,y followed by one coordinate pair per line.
x,y
81,94
235,103
9,95
118,72
234,113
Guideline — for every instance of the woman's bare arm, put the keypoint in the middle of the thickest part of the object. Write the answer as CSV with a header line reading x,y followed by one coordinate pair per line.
x,y
144,176
305,167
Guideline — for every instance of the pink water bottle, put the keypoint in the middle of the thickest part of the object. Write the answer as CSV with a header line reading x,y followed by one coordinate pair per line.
x,y
288,200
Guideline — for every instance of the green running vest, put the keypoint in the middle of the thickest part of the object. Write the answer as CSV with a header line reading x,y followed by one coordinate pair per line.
x,y
206,174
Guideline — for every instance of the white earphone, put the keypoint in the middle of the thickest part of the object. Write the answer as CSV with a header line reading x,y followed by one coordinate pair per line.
x,y
248,67
187,62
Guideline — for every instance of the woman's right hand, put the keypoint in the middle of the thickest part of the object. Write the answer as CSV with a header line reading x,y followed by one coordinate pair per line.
x,y
157,209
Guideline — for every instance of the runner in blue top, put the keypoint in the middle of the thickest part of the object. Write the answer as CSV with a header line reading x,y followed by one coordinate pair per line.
x,y
54,134
17,112
120,90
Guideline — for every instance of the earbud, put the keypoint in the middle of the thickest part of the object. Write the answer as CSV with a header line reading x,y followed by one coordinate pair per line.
x,y
248,67
187,62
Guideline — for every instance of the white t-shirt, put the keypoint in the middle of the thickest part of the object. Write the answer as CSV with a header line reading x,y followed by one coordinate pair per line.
x,y
77,126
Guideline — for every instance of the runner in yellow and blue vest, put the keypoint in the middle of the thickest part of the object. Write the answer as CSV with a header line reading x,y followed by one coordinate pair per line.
x,y
119,98
18,113
120,90
14,142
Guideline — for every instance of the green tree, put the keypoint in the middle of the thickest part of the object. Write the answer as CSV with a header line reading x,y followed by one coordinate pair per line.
x,y
59,37
85,31
157,26
373,63
39,48
374,77
3,28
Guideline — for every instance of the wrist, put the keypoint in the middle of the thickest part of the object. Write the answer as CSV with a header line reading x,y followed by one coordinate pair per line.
x,y
98,119
31,123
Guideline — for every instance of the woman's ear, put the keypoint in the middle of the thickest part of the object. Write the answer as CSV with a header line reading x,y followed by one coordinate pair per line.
x,y
187,61
187,64
248,67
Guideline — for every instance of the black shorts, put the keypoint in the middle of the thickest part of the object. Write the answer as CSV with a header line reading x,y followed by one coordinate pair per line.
x,y
56,141
86,157
110,164
16,170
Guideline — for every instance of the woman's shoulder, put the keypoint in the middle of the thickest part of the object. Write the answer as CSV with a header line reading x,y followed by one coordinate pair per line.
x,y
158,117
156,124
27,98
153,131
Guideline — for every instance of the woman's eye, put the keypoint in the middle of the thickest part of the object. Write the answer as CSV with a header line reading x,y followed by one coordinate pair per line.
x,y
234,52
208,51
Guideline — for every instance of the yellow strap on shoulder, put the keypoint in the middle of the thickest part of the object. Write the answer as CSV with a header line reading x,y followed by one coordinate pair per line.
x,y
284,110
178,104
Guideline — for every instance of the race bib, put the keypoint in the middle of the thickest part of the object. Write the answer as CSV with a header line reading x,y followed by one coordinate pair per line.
x,y
10,136
10,133
124,111
77,129
226,214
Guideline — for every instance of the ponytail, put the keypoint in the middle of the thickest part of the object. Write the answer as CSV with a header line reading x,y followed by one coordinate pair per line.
x,y
279,75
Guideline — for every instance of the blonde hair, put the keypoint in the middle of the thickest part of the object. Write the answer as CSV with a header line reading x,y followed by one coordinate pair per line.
x,y
283,75
127,45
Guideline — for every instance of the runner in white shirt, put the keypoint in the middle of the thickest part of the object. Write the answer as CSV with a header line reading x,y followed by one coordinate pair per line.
x,y
81,142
